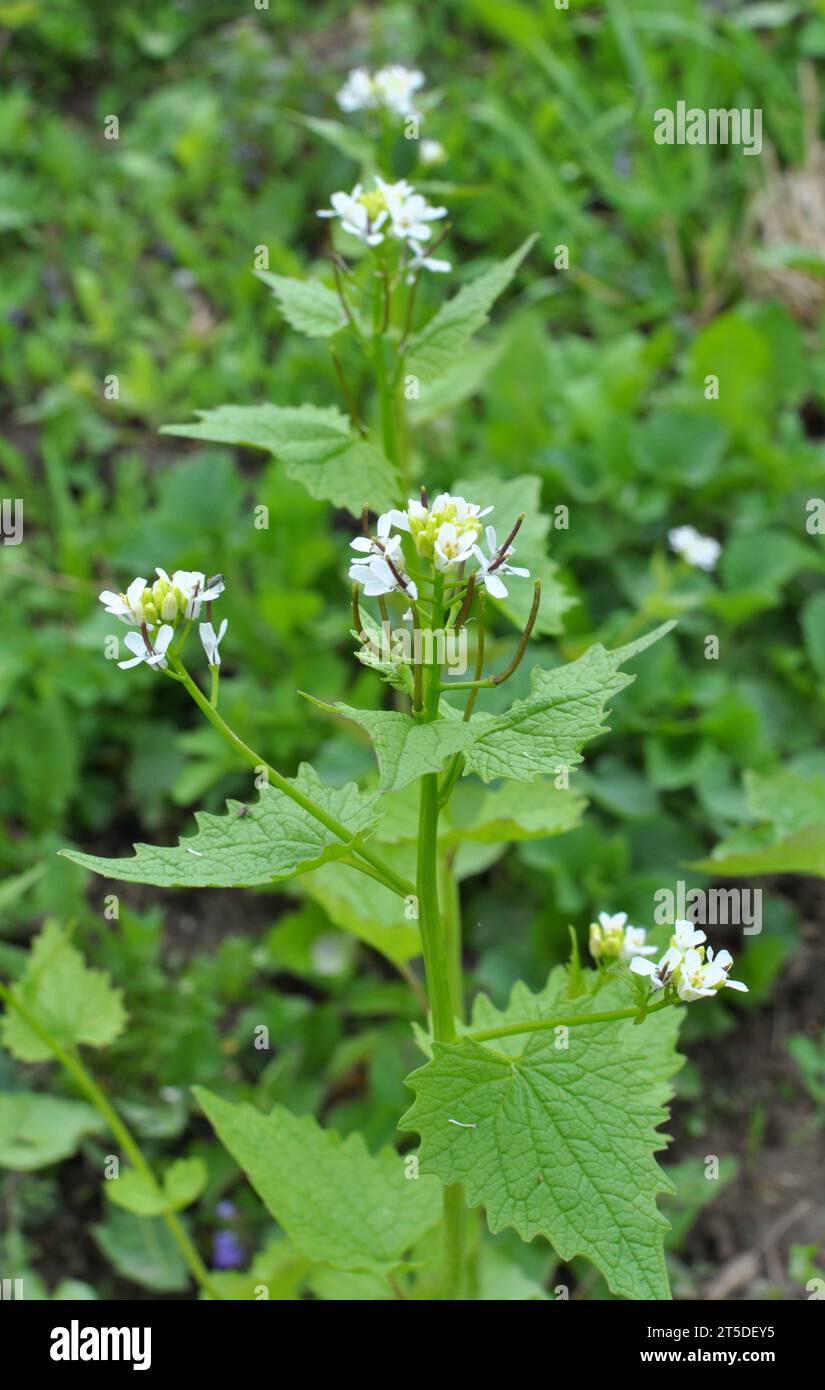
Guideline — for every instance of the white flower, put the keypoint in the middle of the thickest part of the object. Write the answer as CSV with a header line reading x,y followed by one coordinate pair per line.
x,y
409,212
153,653
432,152
717,972
659,974
610,936
700,551
607,935
421,261
492,567
165,600
452,547
358,92
685,935
392,87
634,944
381,571
361,214
396,85
184,594
694,975
692,980
211,641
131,606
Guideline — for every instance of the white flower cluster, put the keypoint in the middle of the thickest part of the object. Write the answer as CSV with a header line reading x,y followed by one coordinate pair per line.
x,y
389,209
611,936
700,551
157,607
392,88
694,970
445,532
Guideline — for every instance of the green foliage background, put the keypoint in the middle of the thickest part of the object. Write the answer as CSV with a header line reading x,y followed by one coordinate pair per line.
x,y
134,257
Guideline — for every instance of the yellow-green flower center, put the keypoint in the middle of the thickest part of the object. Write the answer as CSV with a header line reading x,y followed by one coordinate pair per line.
x,y
425,529
374,202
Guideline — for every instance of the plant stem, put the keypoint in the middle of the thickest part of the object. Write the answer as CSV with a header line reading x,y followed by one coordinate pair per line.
x,y
387,874
451,914
538,1025
90,1088
436,963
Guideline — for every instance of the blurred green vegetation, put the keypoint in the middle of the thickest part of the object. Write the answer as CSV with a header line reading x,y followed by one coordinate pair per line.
x,y
133,258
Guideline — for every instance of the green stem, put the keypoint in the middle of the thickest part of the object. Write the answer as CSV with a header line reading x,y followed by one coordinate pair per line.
x,y
538,1025
436,963
451,913
388,876
71,1062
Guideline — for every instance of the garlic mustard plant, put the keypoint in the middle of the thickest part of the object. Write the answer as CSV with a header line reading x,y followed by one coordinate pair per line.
x,y
524,1112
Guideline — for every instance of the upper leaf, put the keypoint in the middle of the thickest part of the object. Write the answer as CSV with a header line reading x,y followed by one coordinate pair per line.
x,y
336,1201
558,1140
565,709
438,344
272,839
316,445
72,1002
404,748
306,304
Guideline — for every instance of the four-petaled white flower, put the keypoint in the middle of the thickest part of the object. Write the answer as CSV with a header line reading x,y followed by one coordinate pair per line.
x,y
211,641
492,567
358,214
421,261
685,935
153,653
634,944
660,973
409,212
452,547
381,571
700,551
129,606
392,87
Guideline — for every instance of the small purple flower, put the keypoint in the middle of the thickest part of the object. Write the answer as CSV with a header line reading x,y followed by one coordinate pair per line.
x,y
226,1210
226,1251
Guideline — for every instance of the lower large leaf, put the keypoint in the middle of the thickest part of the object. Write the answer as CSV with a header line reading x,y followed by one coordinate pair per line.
x,y
558,1140
337,1202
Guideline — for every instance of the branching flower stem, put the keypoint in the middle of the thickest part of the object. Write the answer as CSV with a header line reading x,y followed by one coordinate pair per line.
x,y
385,873
72,1063
539,1025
